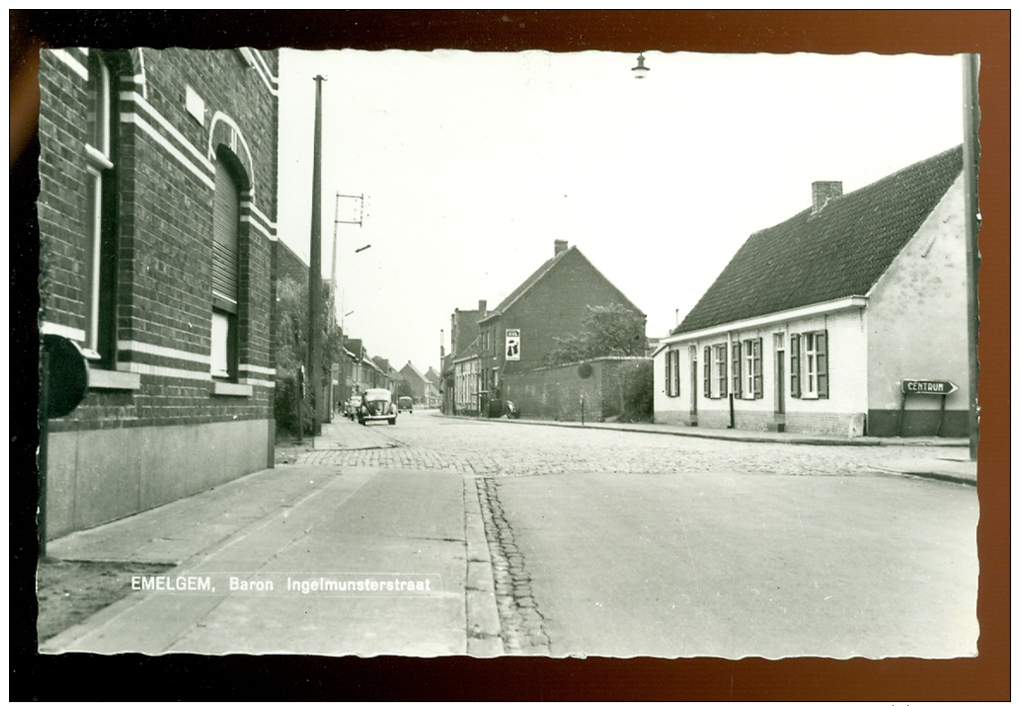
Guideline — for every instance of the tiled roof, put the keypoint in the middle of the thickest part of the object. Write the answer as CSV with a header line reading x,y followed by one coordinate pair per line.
x,y
528,283
541,272
838,252
414,370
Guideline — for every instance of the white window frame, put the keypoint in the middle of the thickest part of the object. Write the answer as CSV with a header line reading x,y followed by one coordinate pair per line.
x,y
97,162
721,373
747,369
220,334
809,366
673,373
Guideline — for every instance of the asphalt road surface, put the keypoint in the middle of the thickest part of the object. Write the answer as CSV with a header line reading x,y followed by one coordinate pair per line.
x,y
637,544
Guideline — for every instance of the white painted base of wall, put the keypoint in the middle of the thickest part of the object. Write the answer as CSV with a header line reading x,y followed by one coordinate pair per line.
x,y
97,476
848,425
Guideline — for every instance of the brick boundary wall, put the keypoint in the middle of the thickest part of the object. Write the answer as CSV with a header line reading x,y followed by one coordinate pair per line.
x,y
555,392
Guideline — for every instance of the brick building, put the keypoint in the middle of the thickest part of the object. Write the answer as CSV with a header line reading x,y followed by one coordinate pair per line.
x,y
816,322
519,334
157,214
549,304
463,333
424,391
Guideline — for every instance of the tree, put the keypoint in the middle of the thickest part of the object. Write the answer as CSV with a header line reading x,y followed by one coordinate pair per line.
x,y
404,388
291,347
612,330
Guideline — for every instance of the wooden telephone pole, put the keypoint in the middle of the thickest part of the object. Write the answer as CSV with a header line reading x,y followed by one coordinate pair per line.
x,y
315,273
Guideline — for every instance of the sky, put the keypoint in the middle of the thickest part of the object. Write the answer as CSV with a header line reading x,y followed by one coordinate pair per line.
x,y
472,164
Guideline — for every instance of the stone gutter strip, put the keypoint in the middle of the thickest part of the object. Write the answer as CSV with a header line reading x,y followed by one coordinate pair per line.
x,y
483,628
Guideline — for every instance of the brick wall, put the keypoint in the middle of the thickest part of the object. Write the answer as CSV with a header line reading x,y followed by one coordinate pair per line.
x,y
556,392
163,231
158,247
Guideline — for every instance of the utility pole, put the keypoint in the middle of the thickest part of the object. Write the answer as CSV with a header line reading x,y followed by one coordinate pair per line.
x,y
315,272
971,154
336,222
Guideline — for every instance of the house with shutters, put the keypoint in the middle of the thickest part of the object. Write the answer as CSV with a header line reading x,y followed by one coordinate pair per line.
x,y
816,322
157,218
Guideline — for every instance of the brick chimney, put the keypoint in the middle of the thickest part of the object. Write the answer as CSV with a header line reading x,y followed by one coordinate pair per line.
x,y
481,308
559,246
822,192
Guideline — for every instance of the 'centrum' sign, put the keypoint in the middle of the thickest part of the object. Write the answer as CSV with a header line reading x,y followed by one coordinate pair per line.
x,y
928,387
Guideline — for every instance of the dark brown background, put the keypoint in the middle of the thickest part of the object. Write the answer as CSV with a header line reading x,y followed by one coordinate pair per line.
x,y
885,32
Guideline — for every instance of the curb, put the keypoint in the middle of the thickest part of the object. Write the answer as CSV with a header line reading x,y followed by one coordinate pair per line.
x,y
778,439
942,476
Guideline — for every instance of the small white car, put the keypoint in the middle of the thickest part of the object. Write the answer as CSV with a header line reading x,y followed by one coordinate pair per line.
x,y
376,406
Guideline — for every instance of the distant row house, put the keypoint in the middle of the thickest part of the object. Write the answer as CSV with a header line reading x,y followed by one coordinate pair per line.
x,y
363,372
518,335
424,388
819,324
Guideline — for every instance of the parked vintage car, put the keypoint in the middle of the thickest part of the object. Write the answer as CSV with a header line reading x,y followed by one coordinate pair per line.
x,y
405,402
376,406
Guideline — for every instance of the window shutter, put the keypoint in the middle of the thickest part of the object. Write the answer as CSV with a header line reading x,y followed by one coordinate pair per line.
x,y
676,372
707,363
226,216
671,373
757,368
735,352
794,365
669,362
720,351
821,346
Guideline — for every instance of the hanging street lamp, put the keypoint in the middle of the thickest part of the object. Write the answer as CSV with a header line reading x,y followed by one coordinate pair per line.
x,y
640,71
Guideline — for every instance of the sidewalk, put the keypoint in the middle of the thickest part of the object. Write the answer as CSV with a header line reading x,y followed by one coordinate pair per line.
x,y
747,435
309,520
345,434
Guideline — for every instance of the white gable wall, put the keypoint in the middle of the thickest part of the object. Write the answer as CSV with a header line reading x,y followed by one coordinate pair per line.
x,y
918,324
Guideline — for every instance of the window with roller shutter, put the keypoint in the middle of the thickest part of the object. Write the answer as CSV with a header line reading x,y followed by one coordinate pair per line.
x,y
226,221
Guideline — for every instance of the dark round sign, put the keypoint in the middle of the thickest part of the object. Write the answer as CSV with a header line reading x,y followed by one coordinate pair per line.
x,y
584,370
68,375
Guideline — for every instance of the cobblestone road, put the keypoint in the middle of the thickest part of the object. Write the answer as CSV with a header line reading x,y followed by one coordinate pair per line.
x,y
429,441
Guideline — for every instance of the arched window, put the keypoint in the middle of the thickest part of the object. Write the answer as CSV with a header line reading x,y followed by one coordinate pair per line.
x,y
226,248
100,223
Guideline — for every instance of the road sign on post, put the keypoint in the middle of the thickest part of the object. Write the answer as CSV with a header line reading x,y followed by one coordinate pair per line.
x,y
925,387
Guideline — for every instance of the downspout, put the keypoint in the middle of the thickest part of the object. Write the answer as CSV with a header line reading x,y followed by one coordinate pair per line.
x,y
727,374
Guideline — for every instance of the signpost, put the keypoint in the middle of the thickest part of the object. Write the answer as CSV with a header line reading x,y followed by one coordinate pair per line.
x,y
925,387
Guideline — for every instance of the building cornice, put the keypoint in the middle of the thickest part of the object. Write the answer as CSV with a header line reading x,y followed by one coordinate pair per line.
x,y
852,302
